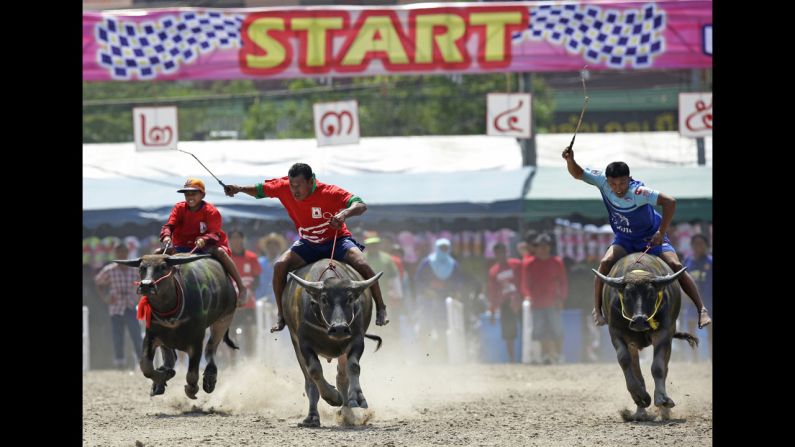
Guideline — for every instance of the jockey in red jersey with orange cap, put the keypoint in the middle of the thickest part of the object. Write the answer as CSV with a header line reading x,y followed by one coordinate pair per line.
x,y
195,225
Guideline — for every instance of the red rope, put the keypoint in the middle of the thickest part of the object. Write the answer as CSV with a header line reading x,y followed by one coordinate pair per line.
x,y
145,309
331,259
644,254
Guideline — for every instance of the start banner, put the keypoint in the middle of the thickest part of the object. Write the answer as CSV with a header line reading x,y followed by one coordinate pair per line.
x,y
436,38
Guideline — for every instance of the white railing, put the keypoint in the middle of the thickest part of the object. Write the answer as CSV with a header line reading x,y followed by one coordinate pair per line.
x,y
86,350
264,316
530,348
456,341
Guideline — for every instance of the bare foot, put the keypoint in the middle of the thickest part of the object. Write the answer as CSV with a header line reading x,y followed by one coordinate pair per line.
x,y
279,325
598,318
380,317
703,318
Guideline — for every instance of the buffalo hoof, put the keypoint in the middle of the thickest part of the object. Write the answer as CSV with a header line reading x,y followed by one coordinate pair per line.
x,y
352,404
663,401
157,389
208,383
312,421
640,415
642,399
335,400
169,372
362,401
191,390
353,416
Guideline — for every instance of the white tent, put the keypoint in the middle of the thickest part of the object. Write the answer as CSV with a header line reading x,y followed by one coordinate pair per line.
x,y
468,174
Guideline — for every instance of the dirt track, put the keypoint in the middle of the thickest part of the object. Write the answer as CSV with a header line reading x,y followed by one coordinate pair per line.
x,y
561,405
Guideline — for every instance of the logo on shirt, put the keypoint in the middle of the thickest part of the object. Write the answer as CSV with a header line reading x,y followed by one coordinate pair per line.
x,y
246,268
620,219
202,227
643,191
317,213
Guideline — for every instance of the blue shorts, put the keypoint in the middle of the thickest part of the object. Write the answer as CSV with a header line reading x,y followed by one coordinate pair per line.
x,y
631,245
310,252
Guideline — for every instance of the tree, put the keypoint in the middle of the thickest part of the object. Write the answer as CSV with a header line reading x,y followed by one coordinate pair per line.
x,y
388,105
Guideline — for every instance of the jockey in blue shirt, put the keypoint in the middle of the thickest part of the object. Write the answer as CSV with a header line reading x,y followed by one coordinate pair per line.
x,y
636,224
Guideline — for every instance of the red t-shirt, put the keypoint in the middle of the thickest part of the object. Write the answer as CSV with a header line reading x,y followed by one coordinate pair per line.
x,y
544,281
505,284
249,268
311,216
185,226
399,263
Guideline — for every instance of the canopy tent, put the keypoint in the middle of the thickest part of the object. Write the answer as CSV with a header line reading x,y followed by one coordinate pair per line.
x,y
398,177
555,193
389,196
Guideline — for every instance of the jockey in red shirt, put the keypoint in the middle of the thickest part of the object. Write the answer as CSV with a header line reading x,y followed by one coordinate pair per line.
x,y
318,211
196,224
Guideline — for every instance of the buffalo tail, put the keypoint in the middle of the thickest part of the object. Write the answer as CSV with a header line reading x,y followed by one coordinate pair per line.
x,y
691,339
229,341
376,338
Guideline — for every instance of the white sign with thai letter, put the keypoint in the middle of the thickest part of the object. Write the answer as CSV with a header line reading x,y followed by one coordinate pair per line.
x,y
695,114
337,123
508,115
155,128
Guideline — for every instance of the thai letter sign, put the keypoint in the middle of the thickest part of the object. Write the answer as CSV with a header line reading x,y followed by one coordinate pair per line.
x,y
155,128
695,114
336,123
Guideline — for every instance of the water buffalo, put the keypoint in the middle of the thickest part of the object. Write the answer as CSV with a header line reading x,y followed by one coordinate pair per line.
x,y
642,300
185,294
329,317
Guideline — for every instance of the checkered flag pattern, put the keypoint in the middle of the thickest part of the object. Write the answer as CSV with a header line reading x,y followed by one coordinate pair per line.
x,y
612,37
130,50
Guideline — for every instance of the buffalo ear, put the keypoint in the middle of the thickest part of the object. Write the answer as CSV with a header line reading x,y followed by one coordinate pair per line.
x,y
129,262
616,283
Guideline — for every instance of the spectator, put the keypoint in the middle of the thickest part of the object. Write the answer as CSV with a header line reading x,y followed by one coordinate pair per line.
x,y
247,264
503,294
270,248
115,285
700,267
545,285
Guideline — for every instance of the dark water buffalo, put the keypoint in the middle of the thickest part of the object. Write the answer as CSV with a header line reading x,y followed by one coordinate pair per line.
x,y
641,303
328,316
187,294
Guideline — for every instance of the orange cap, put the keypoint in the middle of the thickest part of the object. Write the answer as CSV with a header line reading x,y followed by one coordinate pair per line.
x,y
192,184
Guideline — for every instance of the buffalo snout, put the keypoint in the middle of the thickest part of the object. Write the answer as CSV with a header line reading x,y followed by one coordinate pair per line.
x,y
339,330
639,323
147,286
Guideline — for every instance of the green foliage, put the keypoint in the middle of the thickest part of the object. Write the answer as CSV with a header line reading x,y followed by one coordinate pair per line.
x,y
388,105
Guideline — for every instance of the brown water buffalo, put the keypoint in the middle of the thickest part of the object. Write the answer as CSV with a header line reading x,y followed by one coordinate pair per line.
x,y
187,294
641,303
328,316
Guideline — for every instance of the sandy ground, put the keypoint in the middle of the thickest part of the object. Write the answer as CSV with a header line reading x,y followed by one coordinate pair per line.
x,y
253,404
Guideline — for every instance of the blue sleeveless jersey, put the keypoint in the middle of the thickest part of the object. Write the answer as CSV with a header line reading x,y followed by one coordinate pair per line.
x,y
632,216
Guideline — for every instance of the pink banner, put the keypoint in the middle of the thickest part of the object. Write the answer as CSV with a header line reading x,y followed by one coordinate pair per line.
x,y
295,42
